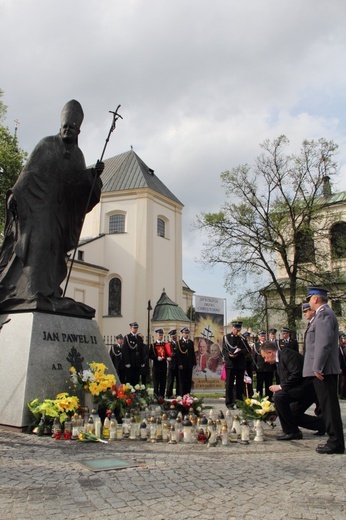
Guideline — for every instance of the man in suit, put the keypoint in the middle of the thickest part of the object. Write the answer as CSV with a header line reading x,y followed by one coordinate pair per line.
x,y
132,352
322,366
294,395
286,341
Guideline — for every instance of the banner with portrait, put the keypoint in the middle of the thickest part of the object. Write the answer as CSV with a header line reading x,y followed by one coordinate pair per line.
x,y
209,330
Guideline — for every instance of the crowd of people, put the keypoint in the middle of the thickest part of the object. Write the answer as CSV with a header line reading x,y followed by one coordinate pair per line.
x,y
294,381
315,377
172,361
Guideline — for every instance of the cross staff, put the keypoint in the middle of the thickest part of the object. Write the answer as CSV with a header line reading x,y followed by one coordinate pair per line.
x,y
112,128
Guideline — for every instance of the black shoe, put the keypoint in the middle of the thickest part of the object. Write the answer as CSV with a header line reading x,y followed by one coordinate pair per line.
x,y
290,436
320,433
328,450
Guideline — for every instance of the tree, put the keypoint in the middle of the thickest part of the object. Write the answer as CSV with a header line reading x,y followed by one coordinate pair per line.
x,y
11,161
190,313
269,228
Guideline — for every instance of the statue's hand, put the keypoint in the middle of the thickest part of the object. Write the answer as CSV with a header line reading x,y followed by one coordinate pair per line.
x,y
99,167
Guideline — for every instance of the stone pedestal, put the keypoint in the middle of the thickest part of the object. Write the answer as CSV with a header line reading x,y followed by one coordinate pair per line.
x,y
37,351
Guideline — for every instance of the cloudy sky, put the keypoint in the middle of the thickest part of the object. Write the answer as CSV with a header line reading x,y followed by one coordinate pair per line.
x,y
200,82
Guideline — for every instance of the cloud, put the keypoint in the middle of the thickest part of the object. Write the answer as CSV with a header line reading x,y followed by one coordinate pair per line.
x,y
200,84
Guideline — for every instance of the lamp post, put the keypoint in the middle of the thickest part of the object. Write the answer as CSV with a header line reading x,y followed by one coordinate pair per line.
x,y
149,308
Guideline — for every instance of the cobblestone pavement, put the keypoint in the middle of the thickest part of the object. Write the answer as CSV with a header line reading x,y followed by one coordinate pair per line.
x,y
44,478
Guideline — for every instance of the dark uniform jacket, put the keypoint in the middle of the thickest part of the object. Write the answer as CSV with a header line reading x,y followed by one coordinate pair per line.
x,y
230,343
116,357
172,349
186,356
133,350
289,343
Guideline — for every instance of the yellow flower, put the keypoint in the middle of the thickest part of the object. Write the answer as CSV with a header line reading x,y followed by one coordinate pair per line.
x,y
72,370
247,401
94,388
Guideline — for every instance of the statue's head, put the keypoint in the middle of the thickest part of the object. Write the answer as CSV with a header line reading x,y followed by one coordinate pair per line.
x,y
71,119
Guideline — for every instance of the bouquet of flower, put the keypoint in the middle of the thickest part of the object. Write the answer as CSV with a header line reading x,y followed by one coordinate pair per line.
x,y
62,406
257,408
143,396
185,403
89,437
118,398
93,380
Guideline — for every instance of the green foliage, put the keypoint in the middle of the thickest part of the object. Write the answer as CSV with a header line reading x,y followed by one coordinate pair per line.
x,y
271,218
11,162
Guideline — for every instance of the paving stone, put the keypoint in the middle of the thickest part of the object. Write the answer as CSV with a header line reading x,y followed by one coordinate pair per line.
x,y
43,478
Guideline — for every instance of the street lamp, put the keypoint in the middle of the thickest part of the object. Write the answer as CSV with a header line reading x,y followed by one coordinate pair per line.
x,y
149,308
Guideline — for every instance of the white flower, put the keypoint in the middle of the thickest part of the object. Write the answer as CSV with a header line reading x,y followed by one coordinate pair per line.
x,y
74,378
150,391
132,390
143,387
137,387
199,408
88,375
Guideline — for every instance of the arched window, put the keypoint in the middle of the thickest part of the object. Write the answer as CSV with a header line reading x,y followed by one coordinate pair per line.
x,y
114,297
117,223
338,240
305,247
161,227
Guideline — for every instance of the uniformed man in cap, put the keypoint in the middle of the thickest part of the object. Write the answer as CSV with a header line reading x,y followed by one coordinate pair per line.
x,y
133,355
264,370
272,337
286,341
321,363
158,353
116,357
308,314
186,360
234,353
173,370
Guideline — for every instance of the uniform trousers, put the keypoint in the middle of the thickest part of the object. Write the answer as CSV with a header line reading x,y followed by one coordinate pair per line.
x,y
327,395
173,375
159,377
185,381
264,379
132,375
236,374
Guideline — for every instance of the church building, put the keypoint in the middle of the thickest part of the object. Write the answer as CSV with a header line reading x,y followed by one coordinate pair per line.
x,y
130,252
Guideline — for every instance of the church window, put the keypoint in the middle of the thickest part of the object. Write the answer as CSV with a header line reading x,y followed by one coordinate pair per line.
x,y
161,227
114,297
338,240
117,223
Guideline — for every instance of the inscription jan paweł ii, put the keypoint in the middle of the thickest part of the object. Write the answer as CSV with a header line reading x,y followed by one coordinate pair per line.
x,y
61,337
